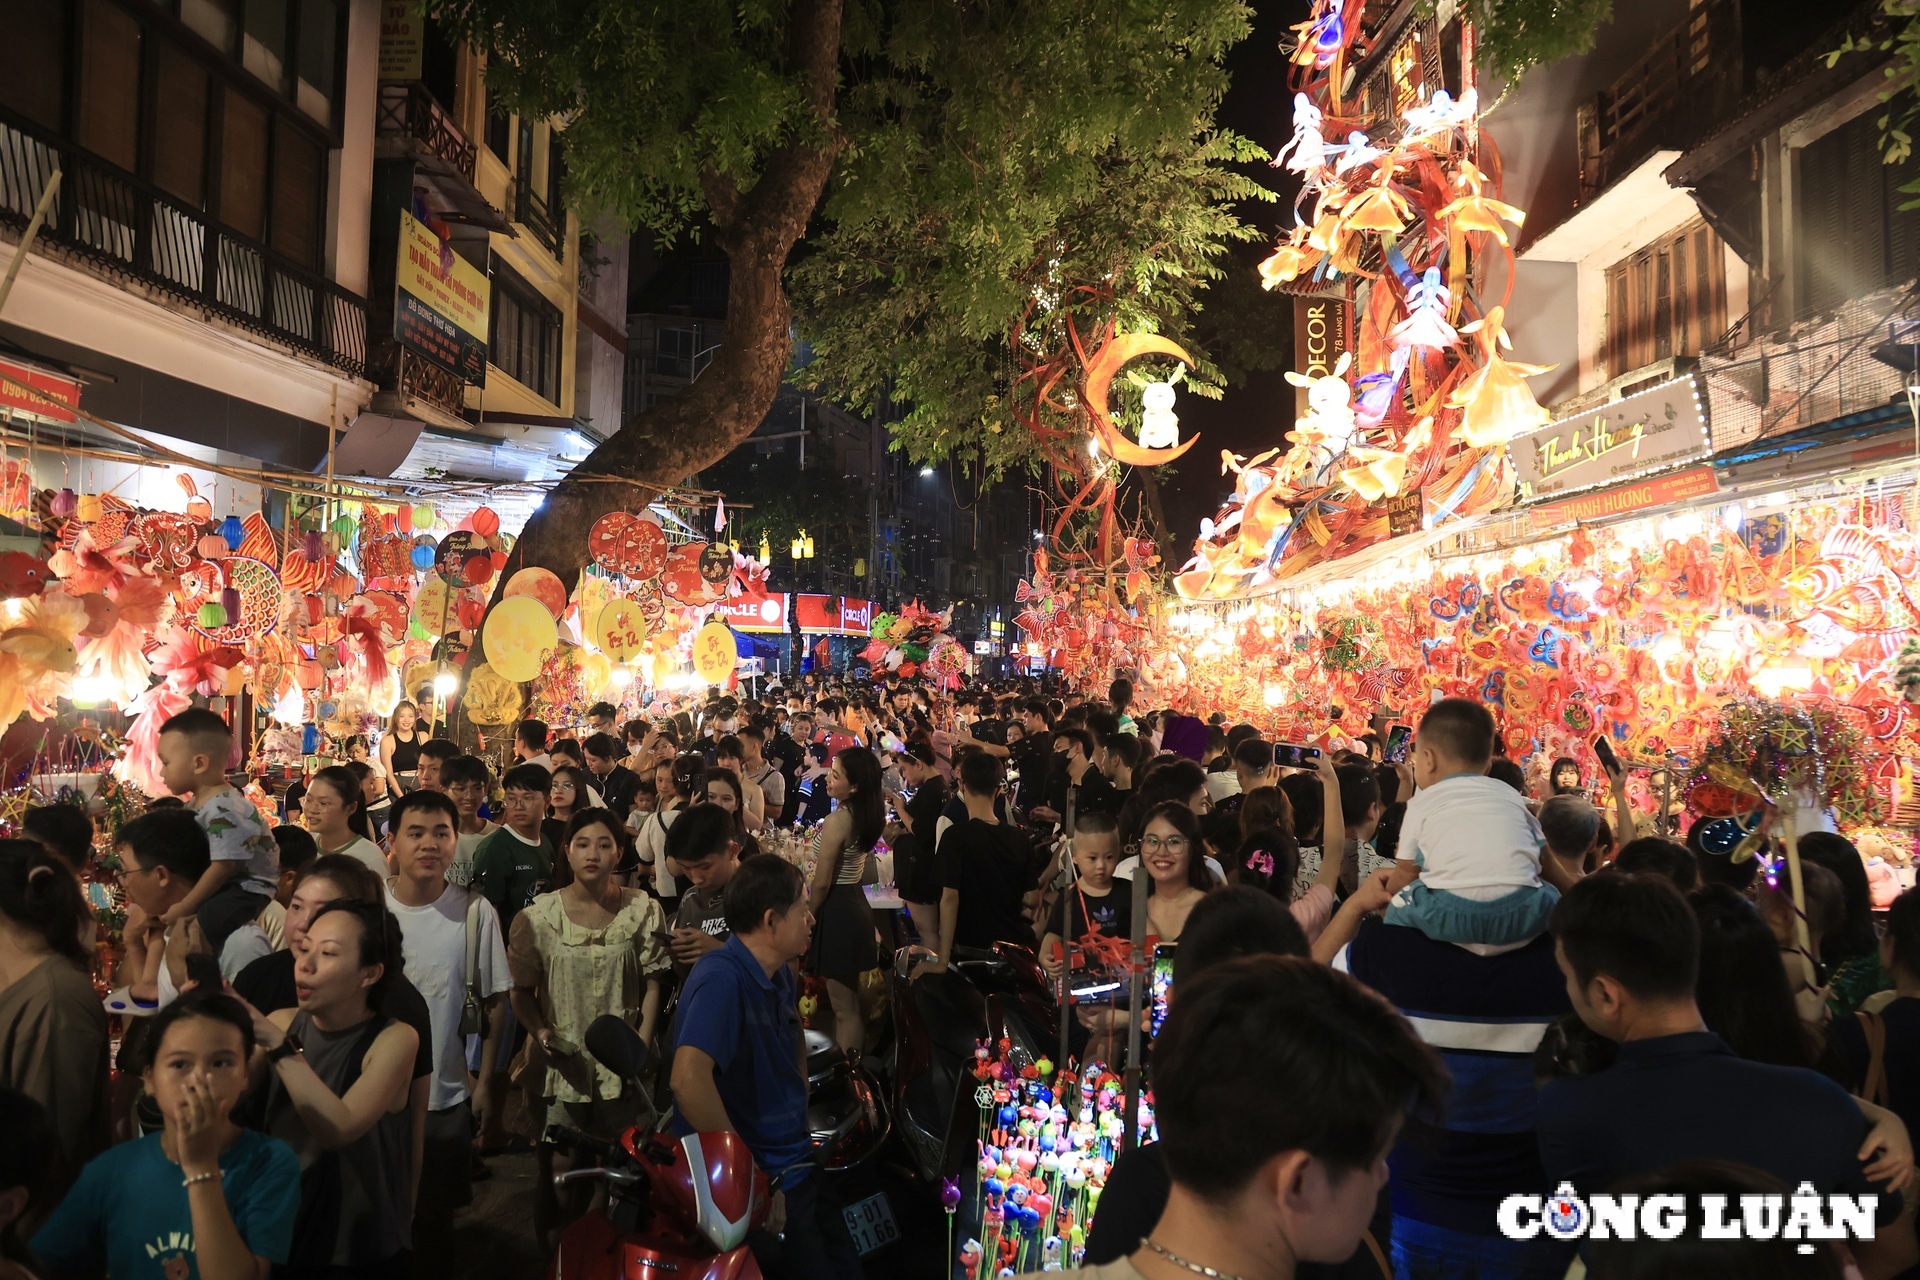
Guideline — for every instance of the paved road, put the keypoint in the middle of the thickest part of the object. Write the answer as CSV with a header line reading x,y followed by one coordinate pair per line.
x,y
493,1236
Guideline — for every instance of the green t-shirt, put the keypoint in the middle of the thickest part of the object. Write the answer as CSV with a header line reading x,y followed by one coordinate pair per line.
x,y
510,873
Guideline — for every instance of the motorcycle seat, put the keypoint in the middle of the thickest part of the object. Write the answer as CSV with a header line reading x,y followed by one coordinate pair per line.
x,y
823,1055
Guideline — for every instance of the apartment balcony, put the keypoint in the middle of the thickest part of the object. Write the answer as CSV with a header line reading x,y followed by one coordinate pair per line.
x,y
410,124
1684,86
546,227
149,242
409,384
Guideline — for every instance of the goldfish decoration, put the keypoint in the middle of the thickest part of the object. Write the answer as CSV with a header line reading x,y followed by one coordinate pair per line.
x,y
1397,218
22,575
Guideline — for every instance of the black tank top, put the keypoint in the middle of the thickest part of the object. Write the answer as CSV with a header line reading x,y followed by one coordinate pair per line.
x,y
406,752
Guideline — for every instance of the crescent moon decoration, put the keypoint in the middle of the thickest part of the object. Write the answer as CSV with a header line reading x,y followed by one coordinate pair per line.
x,y
1101,370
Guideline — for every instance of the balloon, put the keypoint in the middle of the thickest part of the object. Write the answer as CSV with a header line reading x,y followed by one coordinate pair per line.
x,y
519,635
422,557
486,521
714,655
541,584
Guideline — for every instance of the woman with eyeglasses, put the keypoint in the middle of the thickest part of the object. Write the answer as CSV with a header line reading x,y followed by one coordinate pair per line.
x,y
1171,852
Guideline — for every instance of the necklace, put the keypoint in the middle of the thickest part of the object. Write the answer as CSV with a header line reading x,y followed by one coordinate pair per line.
x,y
1194,1267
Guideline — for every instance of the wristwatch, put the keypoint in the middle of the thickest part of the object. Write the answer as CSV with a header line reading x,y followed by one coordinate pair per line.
x,y
285,1049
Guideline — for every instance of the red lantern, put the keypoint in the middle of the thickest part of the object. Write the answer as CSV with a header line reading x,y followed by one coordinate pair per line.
x,y
486,521
479,568
471,613
212,547
499,560
404,517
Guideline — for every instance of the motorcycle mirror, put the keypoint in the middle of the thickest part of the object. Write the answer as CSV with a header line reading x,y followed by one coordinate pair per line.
x,y
618,1047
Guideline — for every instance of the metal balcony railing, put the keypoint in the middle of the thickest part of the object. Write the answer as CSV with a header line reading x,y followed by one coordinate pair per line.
x,y
408,112
135,231
531,212
1679,89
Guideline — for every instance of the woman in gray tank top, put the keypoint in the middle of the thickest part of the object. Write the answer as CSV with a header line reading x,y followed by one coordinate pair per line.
x,y
342,1072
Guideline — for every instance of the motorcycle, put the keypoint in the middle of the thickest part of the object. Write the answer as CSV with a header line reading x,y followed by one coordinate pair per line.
x,y
940,1019
685,1206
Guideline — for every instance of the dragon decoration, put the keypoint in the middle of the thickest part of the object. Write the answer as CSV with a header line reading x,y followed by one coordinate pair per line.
x,y
1400,216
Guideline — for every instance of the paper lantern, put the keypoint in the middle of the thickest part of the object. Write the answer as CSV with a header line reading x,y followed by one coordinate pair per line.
x,y
343,527
422,516
403,518
88,508
212,614
311,544
422,557
64,503
233,531
479,568
519,634
199,510
486,521
499,559
230,601
212,547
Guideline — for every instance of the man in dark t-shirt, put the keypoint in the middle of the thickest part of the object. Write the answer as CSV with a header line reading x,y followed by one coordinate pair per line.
x,y
701,841
986,868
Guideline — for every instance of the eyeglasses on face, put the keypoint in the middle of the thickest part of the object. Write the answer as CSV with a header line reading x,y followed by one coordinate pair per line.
x,y
1172,844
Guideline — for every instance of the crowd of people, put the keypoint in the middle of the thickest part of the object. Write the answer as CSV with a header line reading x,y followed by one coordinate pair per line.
x,y
1402,990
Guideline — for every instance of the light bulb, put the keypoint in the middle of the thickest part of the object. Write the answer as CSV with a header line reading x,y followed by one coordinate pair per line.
x,y
445,683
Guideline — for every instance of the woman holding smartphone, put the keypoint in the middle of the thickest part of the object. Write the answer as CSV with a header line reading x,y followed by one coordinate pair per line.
x,y
590,949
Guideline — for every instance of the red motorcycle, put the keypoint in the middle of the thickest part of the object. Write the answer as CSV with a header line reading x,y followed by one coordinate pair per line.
x,y
681,1208
675,1207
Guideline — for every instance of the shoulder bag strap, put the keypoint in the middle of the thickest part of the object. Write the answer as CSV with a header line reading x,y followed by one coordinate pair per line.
x,y
1875,1088
473,944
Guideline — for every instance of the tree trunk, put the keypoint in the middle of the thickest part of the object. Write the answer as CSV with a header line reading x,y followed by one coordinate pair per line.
x,y
757,230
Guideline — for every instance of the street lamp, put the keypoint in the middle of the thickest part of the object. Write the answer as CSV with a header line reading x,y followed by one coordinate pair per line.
x,y
926,471
766,551
803,546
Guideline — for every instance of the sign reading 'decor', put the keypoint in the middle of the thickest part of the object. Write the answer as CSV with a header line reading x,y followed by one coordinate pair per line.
x,y
1659,428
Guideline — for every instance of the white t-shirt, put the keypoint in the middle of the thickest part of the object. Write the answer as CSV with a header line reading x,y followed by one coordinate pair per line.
x,y
1125,870
367,854
461,872
434,943
1223,784
1473,836
650,846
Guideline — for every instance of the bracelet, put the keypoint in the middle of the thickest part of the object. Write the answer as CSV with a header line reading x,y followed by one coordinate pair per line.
x,y
214,1176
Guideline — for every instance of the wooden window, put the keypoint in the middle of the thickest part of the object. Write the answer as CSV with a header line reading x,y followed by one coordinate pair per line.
x,y
180,100
33,61
213,19
1668,299
1852,237
297,181
243,166
499,126
108,119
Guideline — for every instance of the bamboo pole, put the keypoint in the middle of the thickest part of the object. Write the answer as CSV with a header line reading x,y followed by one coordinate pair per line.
x,y
26,238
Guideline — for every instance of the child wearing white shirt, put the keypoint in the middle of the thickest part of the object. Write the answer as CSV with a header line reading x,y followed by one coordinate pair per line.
x,y
1472,837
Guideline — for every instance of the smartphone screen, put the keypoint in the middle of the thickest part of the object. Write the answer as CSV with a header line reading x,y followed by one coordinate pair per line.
x,y
1399,740
1161,985
1604,749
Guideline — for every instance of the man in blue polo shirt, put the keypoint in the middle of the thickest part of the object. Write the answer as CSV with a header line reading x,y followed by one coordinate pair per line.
x,y
1629,946
1485,1016
739,1062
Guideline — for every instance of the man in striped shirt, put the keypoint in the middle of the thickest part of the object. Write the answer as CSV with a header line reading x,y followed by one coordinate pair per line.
x,y
1485,1015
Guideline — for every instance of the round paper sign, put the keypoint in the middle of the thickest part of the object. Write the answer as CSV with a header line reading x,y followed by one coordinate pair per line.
x,y
519,634
433,610
621,630
713,653
605,539
643,550
716,564
542,585
451,557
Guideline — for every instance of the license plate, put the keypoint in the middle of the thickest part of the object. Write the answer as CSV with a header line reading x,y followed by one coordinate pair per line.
x,y
870,1223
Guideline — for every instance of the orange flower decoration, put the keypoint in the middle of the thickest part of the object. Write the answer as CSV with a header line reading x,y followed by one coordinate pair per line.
x,y
1476,211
